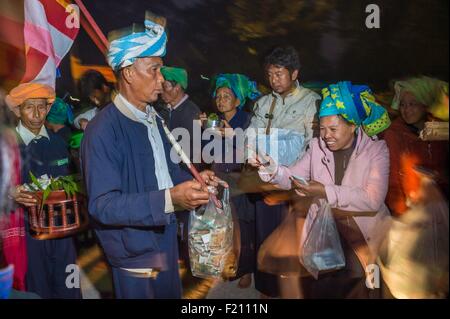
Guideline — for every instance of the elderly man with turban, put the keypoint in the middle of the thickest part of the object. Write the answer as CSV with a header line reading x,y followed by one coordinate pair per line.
x,y
42,152
347,167
133,186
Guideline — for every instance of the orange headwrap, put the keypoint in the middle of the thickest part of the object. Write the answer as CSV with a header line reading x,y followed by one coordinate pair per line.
x,y
26,91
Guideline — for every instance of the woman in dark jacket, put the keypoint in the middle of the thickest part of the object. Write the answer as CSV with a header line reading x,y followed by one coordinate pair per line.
x,y
231,92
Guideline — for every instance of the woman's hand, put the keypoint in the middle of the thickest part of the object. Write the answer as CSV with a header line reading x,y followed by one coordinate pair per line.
x,y
313,189
211,179
22,197
226,131
258,160
203,117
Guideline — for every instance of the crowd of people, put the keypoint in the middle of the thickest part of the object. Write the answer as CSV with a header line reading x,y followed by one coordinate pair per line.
x,y
350,153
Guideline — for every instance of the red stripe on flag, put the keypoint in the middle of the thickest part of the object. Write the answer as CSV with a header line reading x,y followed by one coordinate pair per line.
x,y
56,16
12,66
11,32
35,62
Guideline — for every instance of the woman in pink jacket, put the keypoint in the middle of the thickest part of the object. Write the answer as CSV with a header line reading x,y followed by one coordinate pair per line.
x,y
348,167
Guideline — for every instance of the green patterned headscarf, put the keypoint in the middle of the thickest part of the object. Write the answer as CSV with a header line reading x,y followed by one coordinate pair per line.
x,y
242,87
357,105
432,93
60,113
177,75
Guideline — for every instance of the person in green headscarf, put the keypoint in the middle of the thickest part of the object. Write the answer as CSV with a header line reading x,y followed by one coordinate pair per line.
x,y
177,75
346,169
179,110
231,92
59,119
356,105
428,92
240,85
418,99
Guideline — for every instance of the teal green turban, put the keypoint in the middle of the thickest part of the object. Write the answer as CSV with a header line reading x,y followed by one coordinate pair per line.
x,y
356,104
241,86
177,75
60,113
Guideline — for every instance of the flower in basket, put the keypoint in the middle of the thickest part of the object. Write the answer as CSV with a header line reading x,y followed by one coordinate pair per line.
x,y
46,185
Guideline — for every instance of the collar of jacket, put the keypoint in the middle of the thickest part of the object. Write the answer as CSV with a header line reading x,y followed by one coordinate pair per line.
x,y
293,93
119,103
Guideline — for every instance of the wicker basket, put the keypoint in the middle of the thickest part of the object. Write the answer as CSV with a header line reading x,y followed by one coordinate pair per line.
x,y
61,215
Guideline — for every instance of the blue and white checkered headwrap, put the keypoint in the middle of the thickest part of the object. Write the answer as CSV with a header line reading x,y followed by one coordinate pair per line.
x,y
124,51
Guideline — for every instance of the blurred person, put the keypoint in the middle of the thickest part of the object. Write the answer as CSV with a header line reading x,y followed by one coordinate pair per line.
x,y
12,227
348,167
13,254
132,185
414,255
42,152
95,91
419,100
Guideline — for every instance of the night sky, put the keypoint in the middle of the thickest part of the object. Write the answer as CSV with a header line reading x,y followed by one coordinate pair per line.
x,y
211,36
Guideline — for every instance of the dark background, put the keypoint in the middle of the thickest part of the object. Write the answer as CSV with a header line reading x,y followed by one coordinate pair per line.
x,y
211,36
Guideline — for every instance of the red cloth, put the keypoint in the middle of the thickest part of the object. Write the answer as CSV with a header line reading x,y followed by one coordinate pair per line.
x,y
13,225
407,150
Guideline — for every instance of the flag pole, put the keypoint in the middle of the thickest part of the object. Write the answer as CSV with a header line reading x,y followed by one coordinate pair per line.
x,y
187,161
92,26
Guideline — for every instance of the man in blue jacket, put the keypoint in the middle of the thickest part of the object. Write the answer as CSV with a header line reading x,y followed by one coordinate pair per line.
x,y
42,152
132,184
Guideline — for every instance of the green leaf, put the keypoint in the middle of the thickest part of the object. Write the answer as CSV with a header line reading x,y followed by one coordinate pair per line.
x,y
53,184
35,181
68,189
213,117
45,194
76,188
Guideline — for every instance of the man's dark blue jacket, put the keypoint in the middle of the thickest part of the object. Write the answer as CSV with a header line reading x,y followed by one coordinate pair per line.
x,y
124,200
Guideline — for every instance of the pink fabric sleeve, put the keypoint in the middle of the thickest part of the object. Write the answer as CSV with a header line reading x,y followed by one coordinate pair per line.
x,y
300,168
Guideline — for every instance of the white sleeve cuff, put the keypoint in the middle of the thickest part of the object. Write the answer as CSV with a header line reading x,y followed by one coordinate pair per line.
x,y
168,208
